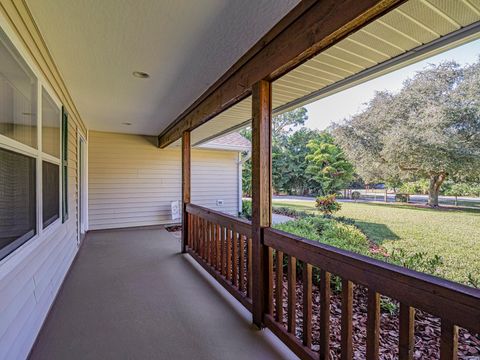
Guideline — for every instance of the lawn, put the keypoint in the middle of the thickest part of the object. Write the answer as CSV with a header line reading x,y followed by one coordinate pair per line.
x,y
452,234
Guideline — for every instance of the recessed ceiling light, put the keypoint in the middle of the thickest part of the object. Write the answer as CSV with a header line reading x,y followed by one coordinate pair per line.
x,y
141,75
127,123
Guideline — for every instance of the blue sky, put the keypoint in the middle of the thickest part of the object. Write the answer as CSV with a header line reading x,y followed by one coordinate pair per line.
x,y
342,105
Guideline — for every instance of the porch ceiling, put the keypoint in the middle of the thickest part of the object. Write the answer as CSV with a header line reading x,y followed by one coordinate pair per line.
x,y
380,47
184,45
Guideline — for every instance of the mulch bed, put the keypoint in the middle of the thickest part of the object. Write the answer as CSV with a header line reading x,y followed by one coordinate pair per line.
x,y
427,329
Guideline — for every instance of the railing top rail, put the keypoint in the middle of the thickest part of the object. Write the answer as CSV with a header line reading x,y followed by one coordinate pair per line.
x,y
242,226
449,300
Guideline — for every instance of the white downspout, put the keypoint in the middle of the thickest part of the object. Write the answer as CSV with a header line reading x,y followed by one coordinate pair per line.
x,y
241,161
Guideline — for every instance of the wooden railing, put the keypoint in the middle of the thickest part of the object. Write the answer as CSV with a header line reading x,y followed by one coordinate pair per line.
x,y
222,245
455,304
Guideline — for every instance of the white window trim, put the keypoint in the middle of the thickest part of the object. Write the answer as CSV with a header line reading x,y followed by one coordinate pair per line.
x,y
18,147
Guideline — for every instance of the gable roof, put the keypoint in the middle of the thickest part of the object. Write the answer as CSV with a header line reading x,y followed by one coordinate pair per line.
x,y
233,141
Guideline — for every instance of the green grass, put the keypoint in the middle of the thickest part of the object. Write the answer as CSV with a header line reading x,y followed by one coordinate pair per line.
x,y
454,235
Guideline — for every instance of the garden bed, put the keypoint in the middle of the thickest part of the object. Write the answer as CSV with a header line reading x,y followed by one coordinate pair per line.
x,y
427,327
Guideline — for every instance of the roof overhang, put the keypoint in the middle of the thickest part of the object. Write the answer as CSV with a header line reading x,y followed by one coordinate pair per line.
x,y
413,31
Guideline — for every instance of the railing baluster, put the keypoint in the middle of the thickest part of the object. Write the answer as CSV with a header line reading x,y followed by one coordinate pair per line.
x,y
188,229
207,240
407,332
249,268
448,341
207,243
218,242
241,282
292,298
307,304
269,282
235,258
222,251
346,337
214,245
229,254
373,325
211,243
202,230
325,293
195,229
199,237
279,287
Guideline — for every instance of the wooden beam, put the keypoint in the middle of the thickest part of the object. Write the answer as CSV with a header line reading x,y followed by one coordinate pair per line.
x,y
186,180
261,195
311,27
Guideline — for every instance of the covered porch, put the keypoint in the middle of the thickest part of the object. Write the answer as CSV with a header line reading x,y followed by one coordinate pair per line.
x,y
131,294
142,293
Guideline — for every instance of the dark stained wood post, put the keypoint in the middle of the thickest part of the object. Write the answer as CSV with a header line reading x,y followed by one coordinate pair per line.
x,y
186,175
261,195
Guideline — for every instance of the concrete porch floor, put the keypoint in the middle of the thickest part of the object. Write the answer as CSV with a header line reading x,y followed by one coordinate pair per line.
x,y
131,295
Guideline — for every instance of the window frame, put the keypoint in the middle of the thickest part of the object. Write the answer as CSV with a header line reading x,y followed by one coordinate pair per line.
x,y
64,166
17,48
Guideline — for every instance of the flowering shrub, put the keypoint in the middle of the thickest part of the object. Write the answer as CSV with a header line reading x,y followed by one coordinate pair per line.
x,y
328,204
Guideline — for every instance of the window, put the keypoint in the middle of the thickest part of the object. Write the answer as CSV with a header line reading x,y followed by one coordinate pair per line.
x,y
50,193
18,97
30,159
64,165
50,170
50,126
17,200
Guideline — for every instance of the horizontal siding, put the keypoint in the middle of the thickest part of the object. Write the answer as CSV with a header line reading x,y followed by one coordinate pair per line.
x,y
132,182
31,276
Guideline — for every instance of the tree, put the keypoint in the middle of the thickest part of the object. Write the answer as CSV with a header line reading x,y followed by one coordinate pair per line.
x,y
293,164
283,126
430,129
327,164
285,123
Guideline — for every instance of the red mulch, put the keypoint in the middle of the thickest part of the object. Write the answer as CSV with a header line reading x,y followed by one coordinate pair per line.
x,y
427,329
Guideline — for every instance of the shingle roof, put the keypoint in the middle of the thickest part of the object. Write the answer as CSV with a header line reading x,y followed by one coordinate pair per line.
x,y
232,141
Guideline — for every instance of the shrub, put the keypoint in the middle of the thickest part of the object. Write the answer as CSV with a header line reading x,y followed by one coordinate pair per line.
x,y
419,261
282,210
355,195
328,204
246,209
328,231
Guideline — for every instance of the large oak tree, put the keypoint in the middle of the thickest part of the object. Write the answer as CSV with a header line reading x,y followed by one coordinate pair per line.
x,y
429,129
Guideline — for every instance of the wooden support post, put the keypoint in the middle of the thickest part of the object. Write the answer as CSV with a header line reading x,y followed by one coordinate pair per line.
x,y
261,195
186,173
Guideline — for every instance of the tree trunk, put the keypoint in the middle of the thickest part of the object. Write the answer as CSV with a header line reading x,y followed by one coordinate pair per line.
x,y
436,182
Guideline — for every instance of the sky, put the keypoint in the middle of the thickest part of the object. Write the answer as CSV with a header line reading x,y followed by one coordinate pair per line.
x,y
346,103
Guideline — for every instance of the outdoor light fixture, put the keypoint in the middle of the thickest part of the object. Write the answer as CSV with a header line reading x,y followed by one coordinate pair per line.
x,y
141,75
